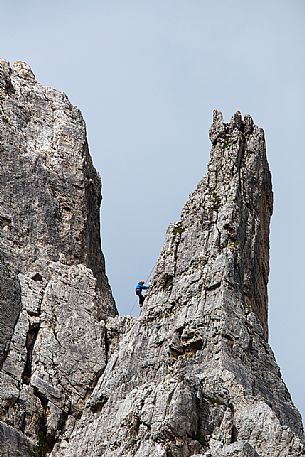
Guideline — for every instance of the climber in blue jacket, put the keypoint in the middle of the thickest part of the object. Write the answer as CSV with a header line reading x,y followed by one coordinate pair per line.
x,y
139,287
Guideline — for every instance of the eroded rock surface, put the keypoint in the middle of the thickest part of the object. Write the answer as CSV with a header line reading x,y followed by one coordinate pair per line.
x,y
54,293
195,376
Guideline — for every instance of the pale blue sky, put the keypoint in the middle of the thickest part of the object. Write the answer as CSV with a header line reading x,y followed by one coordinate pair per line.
x,y
147,75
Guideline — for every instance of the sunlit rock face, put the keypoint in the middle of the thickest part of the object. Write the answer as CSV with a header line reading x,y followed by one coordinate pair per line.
x,y
54,292
194,375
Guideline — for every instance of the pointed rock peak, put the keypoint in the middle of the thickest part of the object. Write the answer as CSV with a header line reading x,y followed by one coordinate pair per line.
x,y
237,120
222,240
23,70
219,128
217,117
5,82
248,124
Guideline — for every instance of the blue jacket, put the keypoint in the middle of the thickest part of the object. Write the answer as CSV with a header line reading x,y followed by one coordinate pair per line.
x,y
140,287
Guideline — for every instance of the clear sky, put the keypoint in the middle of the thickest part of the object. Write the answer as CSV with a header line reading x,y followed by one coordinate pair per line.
x,y
146,76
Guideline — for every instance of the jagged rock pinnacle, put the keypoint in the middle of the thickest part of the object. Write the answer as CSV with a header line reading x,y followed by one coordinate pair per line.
x,y
222,240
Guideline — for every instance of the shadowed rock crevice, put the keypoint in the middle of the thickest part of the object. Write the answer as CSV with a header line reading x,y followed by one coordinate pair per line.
x,y
29,343
10,306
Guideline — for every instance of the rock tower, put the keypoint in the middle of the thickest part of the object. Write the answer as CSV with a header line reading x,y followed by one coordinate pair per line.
x,y
54,294
194,376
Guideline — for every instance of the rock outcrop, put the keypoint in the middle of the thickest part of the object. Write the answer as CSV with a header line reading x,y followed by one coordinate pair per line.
x,y
54,292
194,375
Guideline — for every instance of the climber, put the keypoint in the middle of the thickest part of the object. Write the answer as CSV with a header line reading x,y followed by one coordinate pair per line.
x,y
139,287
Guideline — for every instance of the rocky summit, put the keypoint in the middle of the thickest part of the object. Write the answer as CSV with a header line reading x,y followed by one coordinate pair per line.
x,y
194,375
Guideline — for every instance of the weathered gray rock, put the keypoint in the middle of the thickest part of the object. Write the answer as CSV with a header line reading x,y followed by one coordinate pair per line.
x,y
54,293
195,374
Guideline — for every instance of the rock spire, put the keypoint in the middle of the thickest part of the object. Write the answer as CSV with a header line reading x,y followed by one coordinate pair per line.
x,y
194,376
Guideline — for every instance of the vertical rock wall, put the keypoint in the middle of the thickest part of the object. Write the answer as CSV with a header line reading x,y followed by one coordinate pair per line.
x,y
54,294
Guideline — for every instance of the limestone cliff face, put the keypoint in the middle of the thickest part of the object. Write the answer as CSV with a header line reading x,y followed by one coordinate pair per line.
x,y
54,292
194,375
